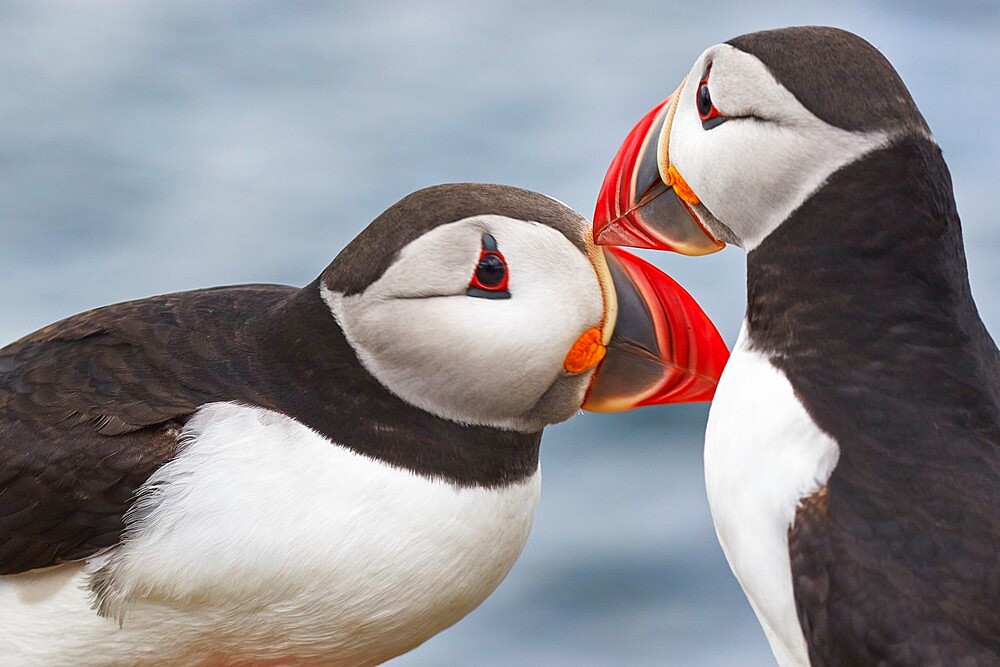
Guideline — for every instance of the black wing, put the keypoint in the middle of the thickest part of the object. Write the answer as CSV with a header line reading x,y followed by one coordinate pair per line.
x,y
861,297
897,560
878,590
91,406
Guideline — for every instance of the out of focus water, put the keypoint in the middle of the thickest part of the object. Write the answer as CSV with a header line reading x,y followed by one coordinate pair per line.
x,y
154,147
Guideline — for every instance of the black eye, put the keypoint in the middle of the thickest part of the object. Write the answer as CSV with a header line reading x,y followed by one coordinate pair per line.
x,y
491,271
704,101
710,116
489,280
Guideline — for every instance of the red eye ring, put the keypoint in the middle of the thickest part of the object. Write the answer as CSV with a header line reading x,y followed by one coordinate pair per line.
x,y
709,115
490,277
491,272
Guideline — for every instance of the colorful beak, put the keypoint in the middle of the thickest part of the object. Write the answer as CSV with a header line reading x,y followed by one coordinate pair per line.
x,y
644,202
663,348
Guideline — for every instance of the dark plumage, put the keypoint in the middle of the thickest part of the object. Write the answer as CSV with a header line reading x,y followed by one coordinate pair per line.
x,y
836,75
92,405
896,561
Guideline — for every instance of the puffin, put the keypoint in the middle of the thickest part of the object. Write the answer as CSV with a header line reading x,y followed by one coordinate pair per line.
x,y
265,474
852,453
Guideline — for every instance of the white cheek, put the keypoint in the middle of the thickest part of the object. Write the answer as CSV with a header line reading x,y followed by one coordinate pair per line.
x,y
751,174
441,264
458,351
475,360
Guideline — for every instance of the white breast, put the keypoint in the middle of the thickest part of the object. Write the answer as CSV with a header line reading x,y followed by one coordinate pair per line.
x,y
263,541
763,454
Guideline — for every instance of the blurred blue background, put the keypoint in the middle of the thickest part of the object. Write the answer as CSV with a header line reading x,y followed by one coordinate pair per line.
x,y
154,147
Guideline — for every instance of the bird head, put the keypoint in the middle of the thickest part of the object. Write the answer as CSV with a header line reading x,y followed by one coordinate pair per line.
x,y
757,125
491,305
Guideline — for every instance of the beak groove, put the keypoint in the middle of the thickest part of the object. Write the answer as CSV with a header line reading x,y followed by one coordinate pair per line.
x,y
664,348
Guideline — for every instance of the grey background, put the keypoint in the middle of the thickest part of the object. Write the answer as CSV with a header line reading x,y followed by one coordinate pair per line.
x,y
152,147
